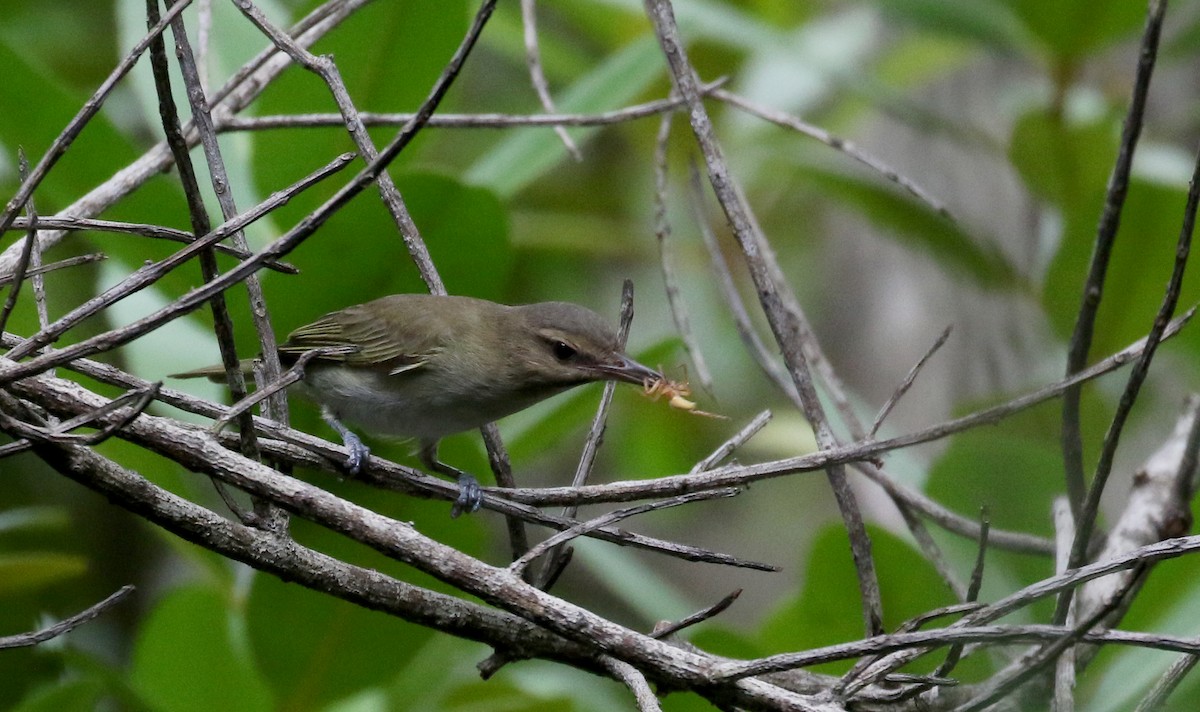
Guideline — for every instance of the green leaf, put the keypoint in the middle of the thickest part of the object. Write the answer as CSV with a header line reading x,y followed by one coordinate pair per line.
x,y
527,154
1072,29
31,571
920,228
466,231
988,22
829,609
314,649
81,695
1015,471
26,518
1139,266
1064,163
464,228
188,658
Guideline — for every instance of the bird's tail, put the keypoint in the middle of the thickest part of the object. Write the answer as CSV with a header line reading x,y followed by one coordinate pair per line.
x,y
216,374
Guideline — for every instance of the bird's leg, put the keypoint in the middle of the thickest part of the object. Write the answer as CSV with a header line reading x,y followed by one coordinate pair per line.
x,y
357,451
470,495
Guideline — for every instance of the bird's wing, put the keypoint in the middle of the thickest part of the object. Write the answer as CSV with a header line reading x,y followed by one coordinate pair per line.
x,y
367,339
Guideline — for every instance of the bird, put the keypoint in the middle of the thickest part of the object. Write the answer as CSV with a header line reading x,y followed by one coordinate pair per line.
x,y
425,366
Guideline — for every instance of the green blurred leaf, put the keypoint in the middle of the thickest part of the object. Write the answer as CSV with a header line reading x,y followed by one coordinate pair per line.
x,y
359,255
1014,470
466,230
29,571
34,125
1065,164
314,649
1139,266
499,696
526,154
1071,29
920,228
188,657
829,609
988,22
81,695
33,518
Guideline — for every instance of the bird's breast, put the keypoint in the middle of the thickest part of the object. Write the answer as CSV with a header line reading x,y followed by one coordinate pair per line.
x,y
422,403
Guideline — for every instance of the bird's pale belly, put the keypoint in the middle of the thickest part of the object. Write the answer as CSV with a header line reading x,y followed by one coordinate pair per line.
x,y
399,405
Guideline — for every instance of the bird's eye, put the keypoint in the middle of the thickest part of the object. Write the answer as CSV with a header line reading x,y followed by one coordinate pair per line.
x,y
562,350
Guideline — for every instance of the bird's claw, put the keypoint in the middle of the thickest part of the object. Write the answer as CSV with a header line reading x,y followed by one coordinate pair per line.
x,y
470,496
356,452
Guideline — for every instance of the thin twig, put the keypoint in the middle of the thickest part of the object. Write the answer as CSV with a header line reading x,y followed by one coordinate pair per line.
x,y
1093,288
956,651
462,121
667,630
137,401
591,445
518,567
662,233
733,299
533,60
784,322
154,231
28,639
85,114
501,466
1086,516
10,302
54,266
908,381
838,144
733,443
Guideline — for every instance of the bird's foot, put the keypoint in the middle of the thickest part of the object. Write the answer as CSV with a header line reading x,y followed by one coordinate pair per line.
x,y
357,452
470,495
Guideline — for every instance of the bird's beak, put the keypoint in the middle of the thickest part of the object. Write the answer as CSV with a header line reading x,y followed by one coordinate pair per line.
x,y
626,369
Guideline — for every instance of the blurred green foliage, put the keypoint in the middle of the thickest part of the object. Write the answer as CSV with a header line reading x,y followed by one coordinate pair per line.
x,y
507,215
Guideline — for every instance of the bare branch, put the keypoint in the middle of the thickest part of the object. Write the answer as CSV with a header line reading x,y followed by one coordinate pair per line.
x,y
533,59
667,630
1086,516
1093,288
908,381
29,639
838,144
785,322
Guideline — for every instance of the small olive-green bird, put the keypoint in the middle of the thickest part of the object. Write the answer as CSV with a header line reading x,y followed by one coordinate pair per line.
x,y
424,366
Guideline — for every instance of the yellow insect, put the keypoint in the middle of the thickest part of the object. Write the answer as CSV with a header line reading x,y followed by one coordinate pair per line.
x,y
676,393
